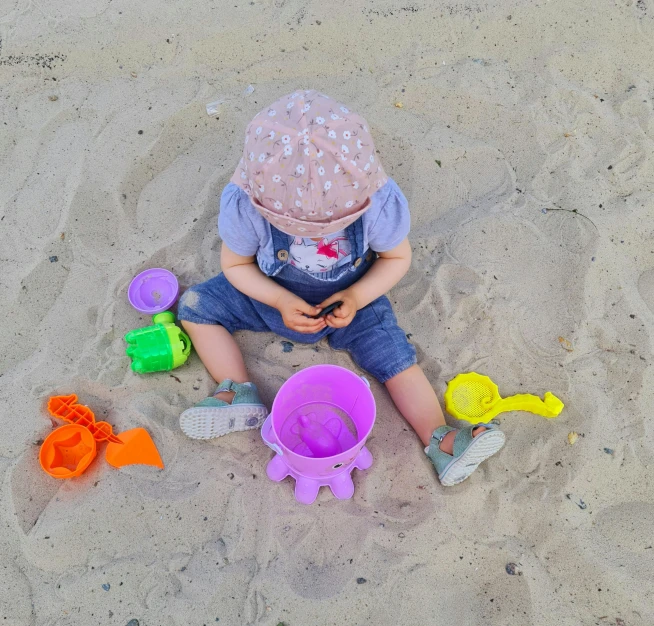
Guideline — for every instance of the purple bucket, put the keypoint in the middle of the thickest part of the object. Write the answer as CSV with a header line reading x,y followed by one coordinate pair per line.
x,y
318,426
153,291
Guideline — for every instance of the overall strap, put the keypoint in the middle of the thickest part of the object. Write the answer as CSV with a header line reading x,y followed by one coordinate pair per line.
x,y
355,234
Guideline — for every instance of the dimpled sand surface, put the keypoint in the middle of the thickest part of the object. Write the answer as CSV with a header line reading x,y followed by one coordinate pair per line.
x,y
524,144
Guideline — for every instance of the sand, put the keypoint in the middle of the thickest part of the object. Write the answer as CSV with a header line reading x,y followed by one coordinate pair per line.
x,y
524,145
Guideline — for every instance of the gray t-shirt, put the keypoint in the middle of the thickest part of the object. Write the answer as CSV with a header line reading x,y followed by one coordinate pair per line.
x,y
246,232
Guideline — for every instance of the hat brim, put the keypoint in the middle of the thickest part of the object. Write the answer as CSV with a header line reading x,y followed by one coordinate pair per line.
x,y
306,228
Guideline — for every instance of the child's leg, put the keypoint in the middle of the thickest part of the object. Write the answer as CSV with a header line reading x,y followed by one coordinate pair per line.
x,y
380,346
415,398
219,353
210,312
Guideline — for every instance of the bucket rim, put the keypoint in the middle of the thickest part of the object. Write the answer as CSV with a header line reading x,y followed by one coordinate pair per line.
x,y
361,439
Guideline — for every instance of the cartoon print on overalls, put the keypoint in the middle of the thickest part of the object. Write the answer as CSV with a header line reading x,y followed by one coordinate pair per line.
x,y
322,255
282,241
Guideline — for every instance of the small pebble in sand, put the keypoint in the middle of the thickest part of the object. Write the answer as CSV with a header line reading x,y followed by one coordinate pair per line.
x,y
53,98
287,346
572,438
360,581
401,535
133,74
133,622
608,451
512,569
106,586
53,259
398,105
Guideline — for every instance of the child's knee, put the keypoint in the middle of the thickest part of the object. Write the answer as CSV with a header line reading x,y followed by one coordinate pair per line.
x,y
190,299
190,308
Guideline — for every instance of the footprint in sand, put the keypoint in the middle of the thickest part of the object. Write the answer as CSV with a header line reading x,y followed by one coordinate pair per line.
x,y
622,534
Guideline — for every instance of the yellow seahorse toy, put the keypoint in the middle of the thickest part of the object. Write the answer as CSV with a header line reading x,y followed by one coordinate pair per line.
x,y
476,398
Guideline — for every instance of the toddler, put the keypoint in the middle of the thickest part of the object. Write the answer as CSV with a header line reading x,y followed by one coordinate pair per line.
x,y
310,219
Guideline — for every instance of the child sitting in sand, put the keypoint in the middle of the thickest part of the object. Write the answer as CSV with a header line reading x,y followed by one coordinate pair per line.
x,y
309,219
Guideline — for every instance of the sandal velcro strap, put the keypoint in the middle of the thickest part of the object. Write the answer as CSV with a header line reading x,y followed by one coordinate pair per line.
x,y
441,431
226,385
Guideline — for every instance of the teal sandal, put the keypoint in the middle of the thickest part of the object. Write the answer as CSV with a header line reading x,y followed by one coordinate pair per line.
x,y
214,418
468,451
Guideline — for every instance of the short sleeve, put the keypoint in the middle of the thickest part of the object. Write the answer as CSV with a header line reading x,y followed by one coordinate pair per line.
x,y
388,220
235,223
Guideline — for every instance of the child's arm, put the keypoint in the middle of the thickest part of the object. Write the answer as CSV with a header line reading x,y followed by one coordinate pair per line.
x,y
244,273
385,273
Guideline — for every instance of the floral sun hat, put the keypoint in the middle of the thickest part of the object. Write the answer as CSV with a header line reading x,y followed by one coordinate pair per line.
x,y
309,165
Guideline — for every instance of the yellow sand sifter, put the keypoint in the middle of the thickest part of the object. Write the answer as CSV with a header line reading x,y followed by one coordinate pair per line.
x,y
476,398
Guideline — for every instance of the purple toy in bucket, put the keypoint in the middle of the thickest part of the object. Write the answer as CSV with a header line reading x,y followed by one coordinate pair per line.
x,y
153,291
318,427
321,439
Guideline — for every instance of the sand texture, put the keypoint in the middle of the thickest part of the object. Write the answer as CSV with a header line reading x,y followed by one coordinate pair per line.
x,y
525,145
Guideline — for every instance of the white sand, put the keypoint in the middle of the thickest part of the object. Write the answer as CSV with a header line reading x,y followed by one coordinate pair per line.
x,y
550,108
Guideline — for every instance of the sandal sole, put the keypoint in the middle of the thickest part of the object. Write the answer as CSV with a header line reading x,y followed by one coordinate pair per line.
x,y
205,422
482,447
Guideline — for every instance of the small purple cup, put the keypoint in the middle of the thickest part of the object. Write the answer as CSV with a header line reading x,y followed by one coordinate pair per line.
x,y
153,291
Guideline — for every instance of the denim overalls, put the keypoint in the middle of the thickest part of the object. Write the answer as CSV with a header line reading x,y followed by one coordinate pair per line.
x,y
374,340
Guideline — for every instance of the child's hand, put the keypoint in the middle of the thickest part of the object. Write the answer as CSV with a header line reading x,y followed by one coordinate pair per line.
x,y
294,312
344,314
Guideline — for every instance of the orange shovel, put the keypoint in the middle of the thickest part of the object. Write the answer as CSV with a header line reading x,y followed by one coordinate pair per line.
x,y
135,448
68,450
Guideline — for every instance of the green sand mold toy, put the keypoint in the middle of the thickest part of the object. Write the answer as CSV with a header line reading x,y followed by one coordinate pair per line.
x,y
158,348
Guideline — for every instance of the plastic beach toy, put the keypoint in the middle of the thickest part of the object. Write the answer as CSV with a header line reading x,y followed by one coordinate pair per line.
x,y
153,291
158,348
476,398
69,450
322,440
318,427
